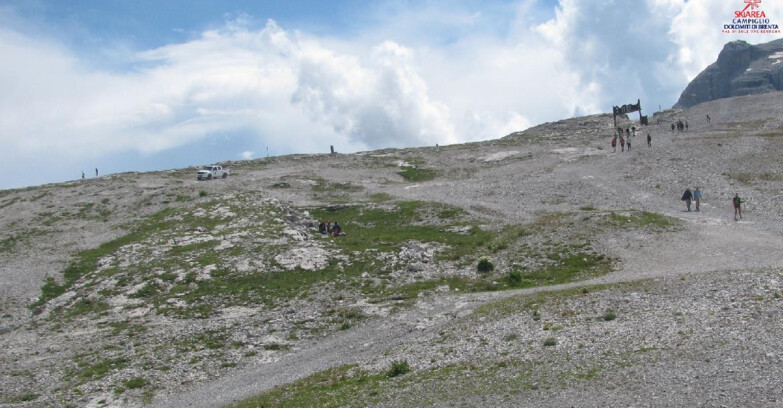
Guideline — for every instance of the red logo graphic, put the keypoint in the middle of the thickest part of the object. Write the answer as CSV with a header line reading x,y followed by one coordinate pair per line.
x,y
753,4
752,13
751,20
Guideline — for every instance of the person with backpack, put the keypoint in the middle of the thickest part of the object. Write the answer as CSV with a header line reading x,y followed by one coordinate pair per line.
x,y
622,143
697,197
687,196
649,140
614,144
737,201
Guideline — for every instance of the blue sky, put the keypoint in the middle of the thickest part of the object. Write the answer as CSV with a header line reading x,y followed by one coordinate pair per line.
x,y
147,85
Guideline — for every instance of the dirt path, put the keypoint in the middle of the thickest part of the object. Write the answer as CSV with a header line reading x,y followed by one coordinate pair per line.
x,y
708,245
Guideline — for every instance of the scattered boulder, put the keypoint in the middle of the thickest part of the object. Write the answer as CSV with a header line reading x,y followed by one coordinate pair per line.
x,y
307,258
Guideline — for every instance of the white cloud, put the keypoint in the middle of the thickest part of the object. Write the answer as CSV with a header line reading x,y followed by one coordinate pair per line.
x,y
442,72
696,30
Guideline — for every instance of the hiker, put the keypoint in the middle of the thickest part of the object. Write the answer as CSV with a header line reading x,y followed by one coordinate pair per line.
x,y
649,140
622,143
322,228
629,144
628,133
708,119
336,230
614,144
633,131
737,206
697,197
686,125
672,127
96,172
328,227
687,196
82,174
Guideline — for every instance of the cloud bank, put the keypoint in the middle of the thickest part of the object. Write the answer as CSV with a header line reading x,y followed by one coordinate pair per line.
x,y
442,73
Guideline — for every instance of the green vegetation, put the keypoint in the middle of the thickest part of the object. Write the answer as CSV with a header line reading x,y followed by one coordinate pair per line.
x,y
550,341
135,382
380,197
641,219
485,265
749,178
87,261
91,371
9,202
30,396
349,386
324,185
385,229
398,367
416,174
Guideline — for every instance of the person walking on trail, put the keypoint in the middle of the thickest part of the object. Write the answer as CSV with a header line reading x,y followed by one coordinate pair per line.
x,y
697,197
737,206
687,196
96,172
622,143
629,144
649,140
614,144
82,175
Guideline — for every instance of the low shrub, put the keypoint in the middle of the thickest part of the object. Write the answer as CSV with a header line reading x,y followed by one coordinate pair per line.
x,y
485,265
398,368
514,278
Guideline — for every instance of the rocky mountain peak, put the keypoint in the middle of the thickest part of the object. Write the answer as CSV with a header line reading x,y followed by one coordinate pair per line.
x,y
741,69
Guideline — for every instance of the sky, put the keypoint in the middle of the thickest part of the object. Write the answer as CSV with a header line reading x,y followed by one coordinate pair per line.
x,y
140,85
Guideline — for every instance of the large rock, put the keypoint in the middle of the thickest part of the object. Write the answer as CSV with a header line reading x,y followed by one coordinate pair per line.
x,y
741,69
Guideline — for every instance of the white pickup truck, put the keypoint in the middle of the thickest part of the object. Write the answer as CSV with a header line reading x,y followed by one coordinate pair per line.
x,y
211,172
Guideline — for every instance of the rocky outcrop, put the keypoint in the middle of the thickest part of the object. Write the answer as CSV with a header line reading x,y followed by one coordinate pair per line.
x,y
741,69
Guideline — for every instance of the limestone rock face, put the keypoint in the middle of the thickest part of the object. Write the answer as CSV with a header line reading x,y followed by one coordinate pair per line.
x,y
741,69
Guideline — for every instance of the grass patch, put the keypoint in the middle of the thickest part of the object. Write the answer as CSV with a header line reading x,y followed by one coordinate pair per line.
x,y
349,386
94,371
642,219
415,174
380,197
9,202
385,229
324,185
134,383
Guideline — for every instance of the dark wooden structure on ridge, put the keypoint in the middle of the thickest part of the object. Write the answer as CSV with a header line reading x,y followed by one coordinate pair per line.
x,y
628,108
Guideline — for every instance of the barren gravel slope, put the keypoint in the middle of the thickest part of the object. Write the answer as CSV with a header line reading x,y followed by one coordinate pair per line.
x,y
707,298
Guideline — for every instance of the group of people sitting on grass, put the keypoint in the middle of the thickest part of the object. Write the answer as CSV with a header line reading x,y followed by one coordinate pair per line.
x,y
330,229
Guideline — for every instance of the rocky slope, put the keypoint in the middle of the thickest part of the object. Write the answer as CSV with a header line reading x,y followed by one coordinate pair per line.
x,y
741,69
153,289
